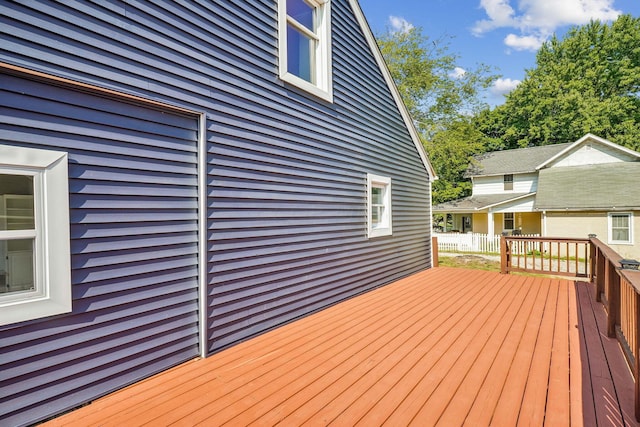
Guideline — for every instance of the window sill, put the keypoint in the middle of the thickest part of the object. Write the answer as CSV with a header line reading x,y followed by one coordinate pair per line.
x,y
379,232
292,79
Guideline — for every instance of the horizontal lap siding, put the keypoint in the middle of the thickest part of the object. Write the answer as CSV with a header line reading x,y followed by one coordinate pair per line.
x,y
286,176
133,249
287,199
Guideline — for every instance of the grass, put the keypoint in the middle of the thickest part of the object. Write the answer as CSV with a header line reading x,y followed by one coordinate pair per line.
x,y
469,261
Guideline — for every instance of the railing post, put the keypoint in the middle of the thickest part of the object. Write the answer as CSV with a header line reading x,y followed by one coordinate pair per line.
x,y
613,300
600,274
592,258
434,250
504,258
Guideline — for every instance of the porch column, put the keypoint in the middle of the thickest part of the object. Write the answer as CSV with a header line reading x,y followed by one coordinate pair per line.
x,y
490,225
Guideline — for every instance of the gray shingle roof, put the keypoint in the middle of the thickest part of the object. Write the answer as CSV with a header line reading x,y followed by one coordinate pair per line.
x,y
605,186
472,203
520,160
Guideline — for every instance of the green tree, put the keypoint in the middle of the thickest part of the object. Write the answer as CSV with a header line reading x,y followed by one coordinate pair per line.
x,y
452,149
442,100
587,82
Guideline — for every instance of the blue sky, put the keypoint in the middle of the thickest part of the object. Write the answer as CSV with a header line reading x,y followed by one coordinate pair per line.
x,y
504,34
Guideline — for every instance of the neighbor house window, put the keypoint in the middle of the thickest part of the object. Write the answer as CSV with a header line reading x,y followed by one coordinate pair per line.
x,y
508,221
379,205
508,182
35,278
620,228
305,45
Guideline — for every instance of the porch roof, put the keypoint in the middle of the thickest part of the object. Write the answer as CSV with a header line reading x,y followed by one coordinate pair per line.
x,y
478,203
445,346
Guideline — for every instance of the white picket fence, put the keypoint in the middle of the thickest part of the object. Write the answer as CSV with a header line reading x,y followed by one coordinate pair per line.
x,y
470,242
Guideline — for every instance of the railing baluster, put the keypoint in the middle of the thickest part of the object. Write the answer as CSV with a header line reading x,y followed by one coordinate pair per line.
x,y
547,255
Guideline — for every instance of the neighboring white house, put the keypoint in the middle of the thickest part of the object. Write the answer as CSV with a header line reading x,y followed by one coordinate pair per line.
x,y
574,189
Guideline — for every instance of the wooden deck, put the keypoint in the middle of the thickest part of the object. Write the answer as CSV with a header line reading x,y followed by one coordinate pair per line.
x,y
443,347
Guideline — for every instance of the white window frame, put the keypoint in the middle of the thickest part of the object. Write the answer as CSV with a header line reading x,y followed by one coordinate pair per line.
x,y
385,227
323,87
507,180
52,271
610,216
512,219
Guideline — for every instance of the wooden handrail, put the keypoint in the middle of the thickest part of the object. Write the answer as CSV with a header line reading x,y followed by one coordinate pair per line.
x,y
619,291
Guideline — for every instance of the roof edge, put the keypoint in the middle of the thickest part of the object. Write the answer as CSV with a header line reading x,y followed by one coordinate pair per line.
x,y
509,200
581,141
373,45
589,209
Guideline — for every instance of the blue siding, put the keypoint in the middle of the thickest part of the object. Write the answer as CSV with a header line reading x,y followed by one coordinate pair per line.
x,y
286,179
133,212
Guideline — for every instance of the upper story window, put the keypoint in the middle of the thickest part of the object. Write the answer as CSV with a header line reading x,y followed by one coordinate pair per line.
x,y
35,274
305,45
508,182
621,228
378,206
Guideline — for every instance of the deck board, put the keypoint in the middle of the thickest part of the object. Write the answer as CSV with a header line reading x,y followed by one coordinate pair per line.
x,y
442,347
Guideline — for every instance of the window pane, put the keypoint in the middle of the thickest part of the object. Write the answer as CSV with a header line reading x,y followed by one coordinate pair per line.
x,y
375,215
620,234
299,55
620,221
376,196
16,265
508,221
16,207
508,182
301,12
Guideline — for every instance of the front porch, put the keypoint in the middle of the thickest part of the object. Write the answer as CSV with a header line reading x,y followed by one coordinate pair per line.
x,y
442,347
491,223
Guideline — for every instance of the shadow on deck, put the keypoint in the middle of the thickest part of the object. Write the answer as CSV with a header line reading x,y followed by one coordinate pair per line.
x,y
442,347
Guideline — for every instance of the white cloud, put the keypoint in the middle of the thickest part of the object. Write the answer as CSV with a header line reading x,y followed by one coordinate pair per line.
x,y
531,43
551,14
399,24
536,20
500,14
457,72
504,86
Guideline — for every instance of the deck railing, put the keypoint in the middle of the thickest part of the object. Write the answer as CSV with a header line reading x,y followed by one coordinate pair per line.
x,y
617,283
545,255
618,288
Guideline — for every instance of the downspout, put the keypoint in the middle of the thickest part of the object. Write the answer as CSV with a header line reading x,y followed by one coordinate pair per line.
x,y
202,235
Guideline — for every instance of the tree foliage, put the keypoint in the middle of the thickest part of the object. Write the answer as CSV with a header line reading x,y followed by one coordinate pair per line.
x,y
433,88
442,100
587,82
452,149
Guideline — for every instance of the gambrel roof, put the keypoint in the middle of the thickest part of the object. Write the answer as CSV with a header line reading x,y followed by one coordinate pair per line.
x,y
571,176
